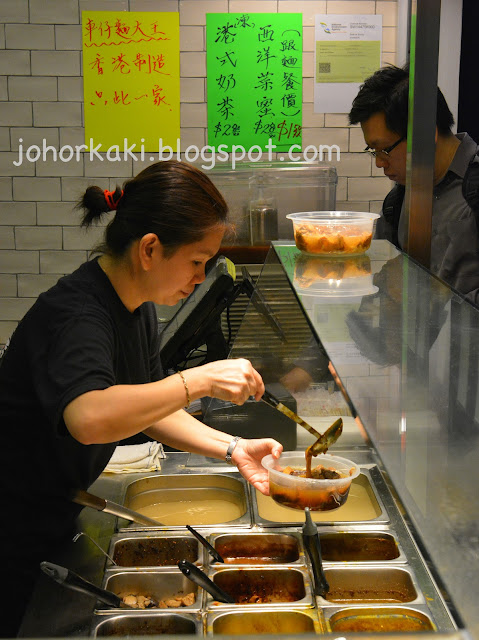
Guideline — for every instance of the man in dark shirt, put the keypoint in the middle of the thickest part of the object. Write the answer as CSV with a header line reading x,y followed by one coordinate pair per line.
x,y
381,108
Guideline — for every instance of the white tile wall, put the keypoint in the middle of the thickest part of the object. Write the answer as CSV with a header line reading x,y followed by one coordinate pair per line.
x,y
41,92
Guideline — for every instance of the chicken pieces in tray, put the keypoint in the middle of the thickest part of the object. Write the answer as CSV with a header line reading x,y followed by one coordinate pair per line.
x,y
147,602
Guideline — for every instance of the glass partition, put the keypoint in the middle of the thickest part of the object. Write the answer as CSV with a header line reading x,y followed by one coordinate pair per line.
x,y
404,347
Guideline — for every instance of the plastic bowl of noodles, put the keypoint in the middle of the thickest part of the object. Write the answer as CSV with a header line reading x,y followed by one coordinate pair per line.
x,y
289,489
333,233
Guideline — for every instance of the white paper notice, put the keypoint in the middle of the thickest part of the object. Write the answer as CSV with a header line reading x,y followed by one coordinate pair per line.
x,y
347,50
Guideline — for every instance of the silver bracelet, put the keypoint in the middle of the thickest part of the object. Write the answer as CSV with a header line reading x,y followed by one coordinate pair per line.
x,y
231,448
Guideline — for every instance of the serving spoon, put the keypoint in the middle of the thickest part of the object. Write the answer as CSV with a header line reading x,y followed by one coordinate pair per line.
x,y
73,581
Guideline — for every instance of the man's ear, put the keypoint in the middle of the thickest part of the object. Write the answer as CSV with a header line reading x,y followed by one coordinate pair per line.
x,y
149,247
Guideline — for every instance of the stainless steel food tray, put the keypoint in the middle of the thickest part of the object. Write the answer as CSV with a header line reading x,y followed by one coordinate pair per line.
x,y
180,487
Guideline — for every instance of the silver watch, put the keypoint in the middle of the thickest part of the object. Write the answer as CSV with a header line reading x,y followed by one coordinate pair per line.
x,y
231,448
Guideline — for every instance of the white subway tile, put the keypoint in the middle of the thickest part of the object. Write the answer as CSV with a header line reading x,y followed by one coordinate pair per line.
x,y
192,89
65,164
389,44
72,136
34,135
338,137
38,237
389,58
308,64
194,12
5,139
154,5
191,136
107,5
34,189
6,188
57,114
55,63
74,188
376,206
57,213
68,37
308,95
8,285
34,88
253,6
308,39
311,119
365,189
70,89
193,65
389,11
54,11
351,6
192,38
15,308
2,36
32,285
309,8
14,63
3,88
29,36
336,120
16,114
7,168
14,11
18,262
75,238
7,239
121,169
193,115
6,330
342,189
353,164
18,213
344,205
61,262
356,139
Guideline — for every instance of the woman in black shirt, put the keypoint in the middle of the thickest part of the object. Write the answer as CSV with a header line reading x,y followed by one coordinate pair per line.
x,y
83,372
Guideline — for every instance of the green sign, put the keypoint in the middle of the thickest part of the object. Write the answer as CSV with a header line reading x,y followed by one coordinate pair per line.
x,y
254,72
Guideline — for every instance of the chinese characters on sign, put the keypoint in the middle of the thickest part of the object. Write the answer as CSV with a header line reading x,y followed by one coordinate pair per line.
x,y
254,71
131,71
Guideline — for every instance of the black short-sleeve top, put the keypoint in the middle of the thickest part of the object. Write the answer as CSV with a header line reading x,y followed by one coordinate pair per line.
x,y
77,337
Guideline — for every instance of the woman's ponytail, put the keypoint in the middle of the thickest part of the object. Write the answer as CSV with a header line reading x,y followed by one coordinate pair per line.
x,y
95,202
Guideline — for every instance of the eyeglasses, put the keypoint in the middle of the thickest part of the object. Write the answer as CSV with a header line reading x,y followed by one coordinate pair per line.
x,y
386,151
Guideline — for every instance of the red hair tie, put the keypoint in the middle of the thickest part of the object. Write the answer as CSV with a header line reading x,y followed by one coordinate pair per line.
x,y
112,204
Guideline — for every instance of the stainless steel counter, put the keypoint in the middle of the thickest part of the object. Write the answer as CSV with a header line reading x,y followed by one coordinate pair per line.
x,y
57,612
404,355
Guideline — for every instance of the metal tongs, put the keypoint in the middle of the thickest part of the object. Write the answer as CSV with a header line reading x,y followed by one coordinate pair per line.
x,y
323,441
312,547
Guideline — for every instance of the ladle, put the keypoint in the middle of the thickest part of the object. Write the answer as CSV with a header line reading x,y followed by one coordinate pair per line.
x,y
211,550
200,578
312,546
100,504
323,441
72,580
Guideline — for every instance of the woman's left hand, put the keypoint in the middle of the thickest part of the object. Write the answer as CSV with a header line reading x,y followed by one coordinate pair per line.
x,y
247,456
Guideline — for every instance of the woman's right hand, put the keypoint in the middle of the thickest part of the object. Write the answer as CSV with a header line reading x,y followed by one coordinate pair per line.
x,y
234,380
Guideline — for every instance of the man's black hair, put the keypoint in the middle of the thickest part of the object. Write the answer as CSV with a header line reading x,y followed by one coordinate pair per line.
x,y
387,90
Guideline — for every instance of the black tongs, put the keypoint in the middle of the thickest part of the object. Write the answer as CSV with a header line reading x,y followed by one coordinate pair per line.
x,y
323,441
312,547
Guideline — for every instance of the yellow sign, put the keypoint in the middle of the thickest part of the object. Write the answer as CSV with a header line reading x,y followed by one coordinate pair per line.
x,y
346,61
131,74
